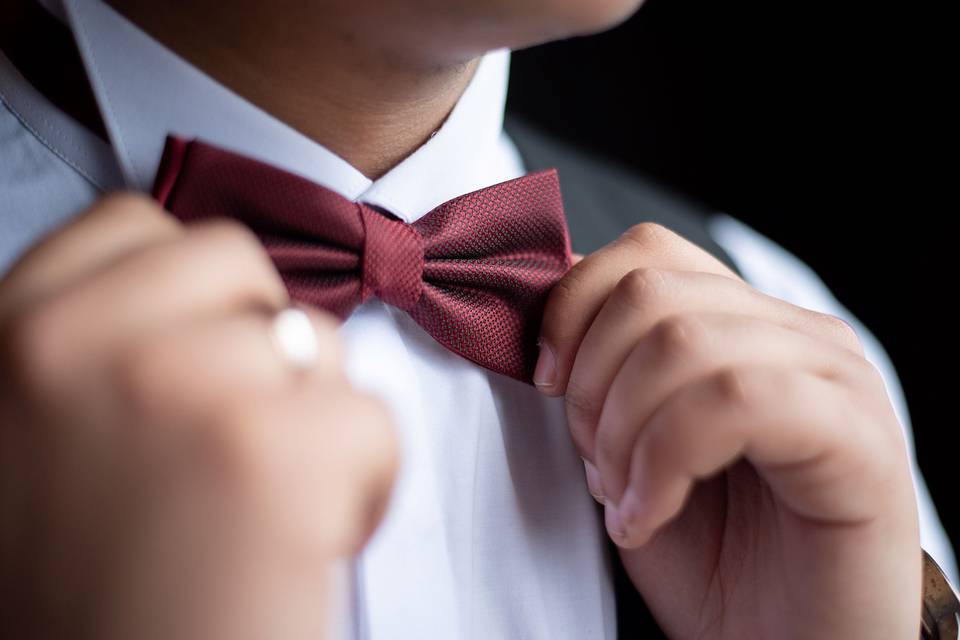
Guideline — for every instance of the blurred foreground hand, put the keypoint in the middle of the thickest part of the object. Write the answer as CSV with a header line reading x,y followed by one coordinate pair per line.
x,y
164,472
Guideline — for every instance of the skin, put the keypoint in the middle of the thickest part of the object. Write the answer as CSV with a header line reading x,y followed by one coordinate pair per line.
x,y
753,472
152,458
752,469
370,80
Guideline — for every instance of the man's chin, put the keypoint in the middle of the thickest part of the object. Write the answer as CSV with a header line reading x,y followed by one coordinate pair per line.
x,y
601,15
558,19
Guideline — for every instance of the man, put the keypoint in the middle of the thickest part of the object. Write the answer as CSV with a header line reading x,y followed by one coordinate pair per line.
x,y
168,475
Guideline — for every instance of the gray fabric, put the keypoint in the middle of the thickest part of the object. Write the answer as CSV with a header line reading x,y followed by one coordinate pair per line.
x,y
50,166
38,189
602,200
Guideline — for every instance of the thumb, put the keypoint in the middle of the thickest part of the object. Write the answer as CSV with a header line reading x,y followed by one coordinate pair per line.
x,y
571,307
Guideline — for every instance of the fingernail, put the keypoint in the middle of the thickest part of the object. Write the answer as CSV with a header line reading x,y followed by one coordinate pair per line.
x,y
631,508
545,374
593,481
611,517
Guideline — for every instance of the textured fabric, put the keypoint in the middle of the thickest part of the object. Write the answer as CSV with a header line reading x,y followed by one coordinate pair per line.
x,y
474,272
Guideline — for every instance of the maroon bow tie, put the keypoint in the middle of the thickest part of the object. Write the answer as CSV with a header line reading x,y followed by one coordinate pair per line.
x,y
474,272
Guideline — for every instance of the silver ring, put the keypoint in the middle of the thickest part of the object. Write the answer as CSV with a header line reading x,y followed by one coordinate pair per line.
x,y
295,338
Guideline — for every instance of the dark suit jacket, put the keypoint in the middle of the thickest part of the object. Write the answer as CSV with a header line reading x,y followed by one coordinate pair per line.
x,y
602,199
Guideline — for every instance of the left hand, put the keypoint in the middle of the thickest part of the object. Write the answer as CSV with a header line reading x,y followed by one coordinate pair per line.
x,y
753,471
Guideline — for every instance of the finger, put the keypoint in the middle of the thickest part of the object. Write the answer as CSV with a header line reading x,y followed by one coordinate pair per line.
x,y
578,297
645,297
325,457
114,226
361,449
793,426
213,269
684,348
188,370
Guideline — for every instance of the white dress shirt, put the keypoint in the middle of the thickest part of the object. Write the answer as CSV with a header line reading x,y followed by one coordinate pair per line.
x,y
491,532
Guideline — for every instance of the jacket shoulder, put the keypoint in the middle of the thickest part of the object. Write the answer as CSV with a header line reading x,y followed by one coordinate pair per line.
x,y
603,199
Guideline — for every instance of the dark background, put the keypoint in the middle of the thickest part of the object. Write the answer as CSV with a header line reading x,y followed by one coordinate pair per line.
x,y
823,126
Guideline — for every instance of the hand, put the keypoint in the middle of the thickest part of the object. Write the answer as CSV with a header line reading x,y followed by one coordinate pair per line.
x,y
754,473
163,472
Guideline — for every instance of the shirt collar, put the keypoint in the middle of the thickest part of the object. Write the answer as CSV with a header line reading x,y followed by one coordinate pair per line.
x,y
145,91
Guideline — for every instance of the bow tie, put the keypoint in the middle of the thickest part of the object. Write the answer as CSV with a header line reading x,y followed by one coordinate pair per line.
x,y
474,272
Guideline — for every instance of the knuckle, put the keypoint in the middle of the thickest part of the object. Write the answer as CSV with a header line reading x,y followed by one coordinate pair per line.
x,y
677,336
734,386
641,288
755,390
583,410
648,235
871,373
841,330
866,372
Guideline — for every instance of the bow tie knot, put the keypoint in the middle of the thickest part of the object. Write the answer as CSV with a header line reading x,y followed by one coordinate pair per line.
x,y
392,260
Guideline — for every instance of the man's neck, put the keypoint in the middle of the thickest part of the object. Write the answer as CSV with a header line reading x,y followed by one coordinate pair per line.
x,y
353,95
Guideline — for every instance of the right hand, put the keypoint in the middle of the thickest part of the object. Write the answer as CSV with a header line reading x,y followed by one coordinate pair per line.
x,y
163,472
